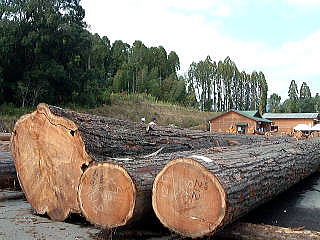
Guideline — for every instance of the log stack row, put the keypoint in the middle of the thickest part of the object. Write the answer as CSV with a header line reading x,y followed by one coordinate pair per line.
x,y
111,170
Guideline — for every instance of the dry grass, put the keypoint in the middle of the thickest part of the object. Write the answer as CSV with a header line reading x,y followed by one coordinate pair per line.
x,y
133,108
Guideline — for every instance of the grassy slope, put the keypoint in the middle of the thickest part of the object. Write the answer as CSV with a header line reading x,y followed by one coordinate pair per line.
x,y
134,107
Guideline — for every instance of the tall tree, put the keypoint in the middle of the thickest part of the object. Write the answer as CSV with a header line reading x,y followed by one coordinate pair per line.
x,y
274,102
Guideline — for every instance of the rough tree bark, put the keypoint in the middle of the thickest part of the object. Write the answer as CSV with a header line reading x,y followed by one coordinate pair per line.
x,y
198,195
190,197
51,146
104,136
249,231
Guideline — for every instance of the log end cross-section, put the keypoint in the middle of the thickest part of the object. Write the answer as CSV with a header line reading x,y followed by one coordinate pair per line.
x,y
49,155
188,199
106,195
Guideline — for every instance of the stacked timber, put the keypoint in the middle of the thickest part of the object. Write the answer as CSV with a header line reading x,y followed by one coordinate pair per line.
x,y
55,150
197,193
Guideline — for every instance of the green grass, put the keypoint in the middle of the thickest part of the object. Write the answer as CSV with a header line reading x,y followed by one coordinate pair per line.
x,y
131,107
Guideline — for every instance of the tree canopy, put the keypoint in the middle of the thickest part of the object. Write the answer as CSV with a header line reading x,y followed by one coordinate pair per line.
x,y
47,54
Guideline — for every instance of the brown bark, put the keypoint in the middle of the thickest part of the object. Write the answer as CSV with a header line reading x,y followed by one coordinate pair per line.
x,y
249,231
191,194
104,136
199,194
51,145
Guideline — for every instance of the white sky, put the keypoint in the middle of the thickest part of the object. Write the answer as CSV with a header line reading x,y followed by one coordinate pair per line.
x,y
195,29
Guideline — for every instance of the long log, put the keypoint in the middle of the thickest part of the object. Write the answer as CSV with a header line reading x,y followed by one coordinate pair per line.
x,y
51,146
187,197
249,231
198,195
104,136
5,136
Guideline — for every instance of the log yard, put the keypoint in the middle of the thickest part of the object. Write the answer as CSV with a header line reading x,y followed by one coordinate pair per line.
x,y
71,175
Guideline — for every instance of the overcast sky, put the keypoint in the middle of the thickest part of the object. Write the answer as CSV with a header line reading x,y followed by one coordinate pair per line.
x,y
281,38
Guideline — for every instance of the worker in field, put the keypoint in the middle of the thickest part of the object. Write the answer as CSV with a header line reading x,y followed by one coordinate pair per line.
x,y
151,125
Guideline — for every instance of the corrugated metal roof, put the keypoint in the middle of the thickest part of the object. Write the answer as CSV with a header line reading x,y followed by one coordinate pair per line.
x,y
248,114
290,115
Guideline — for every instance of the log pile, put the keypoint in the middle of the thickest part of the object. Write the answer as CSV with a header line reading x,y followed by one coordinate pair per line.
x,y
58,156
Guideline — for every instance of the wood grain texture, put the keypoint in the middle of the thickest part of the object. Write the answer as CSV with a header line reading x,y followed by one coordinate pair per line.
x,y
249,177
48,154
106,195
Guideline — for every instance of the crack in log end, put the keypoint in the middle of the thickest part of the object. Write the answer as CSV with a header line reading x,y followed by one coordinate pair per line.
x,y
84,167
72,132
188,199
106,195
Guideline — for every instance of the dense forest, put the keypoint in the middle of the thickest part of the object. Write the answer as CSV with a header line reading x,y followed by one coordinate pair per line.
x,y
298,101
47,54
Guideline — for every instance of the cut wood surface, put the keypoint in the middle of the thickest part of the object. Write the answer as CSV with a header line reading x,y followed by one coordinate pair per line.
x,y
107,195
249,231
190,197
199,194
51,146
49,155
5,136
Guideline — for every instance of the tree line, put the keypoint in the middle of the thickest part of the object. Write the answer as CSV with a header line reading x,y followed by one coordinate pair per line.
x,y
47,54
299,101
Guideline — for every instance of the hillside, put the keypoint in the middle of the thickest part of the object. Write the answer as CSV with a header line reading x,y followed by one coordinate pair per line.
x,y
133,108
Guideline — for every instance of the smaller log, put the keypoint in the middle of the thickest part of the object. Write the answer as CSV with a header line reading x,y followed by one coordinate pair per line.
x,y
8,176
249,231
106,195
10,195
5,136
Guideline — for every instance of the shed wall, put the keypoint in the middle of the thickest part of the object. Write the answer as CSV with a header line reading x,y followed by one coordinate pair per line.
x,y
287,125
230,119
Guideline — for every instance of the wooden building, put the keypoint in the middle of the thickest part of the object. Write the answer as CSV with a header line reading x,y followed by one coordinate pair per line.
x,y
285,122
246,122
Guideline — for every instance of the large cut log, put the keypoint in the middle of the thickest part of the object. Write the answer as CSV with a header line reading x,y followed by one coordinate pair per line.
x,y
51,146
190,198
49,155
198,195
249,231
